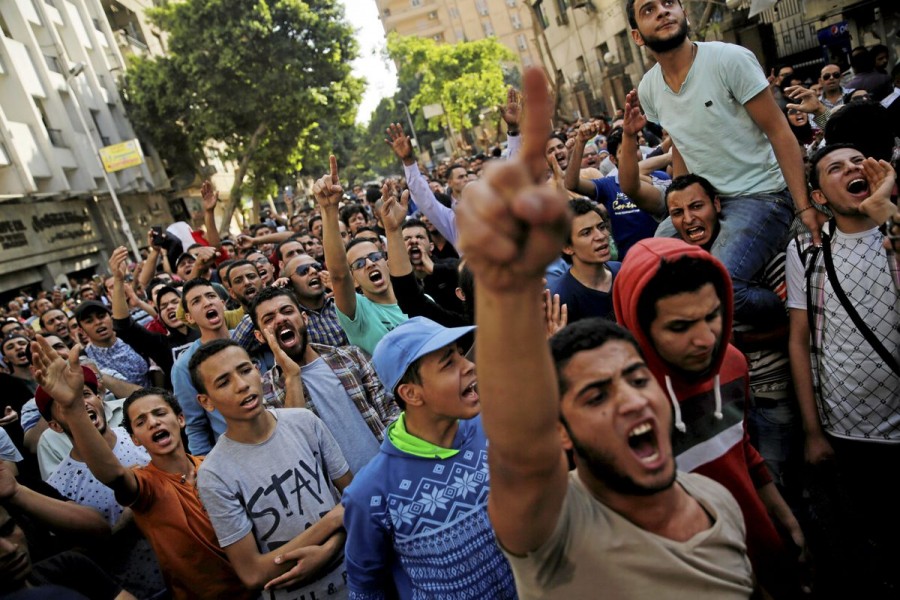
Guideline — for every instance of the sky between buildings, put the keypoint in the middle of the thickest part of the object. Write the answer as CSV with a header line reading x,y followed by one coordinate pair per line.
x,y
380,75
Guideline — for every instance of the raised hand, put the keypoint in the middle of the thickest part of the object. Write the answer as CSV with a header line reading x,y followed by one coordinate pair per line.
x,y
511,227
118,263
399,142
558,177
62,379
634,120
327,190
209,194
512,110
804,100
393,209
586,131
881,178
556,315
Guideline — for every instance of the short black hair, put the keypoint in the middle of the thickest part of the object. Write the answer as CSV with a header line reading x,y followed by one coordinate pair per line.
x,y
629,12
46,312
191,284
165,289
204,353
241,262
683,182
282,243
817,158
583,206
313,219
613,141
409,223
366,228
353,209
584,334
166,395
357,242
683,274
265,294
852,124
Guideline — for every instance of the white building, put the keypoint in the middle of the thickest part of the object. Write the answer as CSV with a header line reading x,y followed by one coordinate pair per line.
x,y
56,214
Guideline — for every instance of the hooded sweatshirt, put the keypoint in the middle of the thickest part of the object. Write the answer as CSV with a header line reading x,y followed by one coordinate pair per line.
x,y
709,436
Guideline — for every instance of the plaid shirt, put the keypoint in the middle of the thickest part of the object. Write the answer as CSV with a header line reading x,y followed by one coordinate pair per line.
x,y
323,327
357,376
816,277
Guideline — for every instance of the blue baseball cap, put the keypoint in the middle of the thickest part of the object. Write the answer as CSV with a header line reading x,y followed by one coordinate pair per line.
x,y
407,343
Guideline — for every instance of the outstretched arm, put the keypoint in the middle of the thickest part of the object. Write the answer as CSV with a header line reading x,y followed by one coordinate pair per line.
x,y
642,192
64,381
210,199
328,191
511,228
574,182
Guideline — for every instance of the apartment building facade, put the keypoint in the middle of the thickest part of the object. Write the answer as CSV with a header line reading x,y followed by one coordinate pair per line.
x,y
59,65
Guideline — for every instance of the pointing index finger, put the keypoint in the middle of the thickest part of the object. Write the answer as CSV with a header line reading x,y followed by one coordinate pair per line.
x,y
334,169
538,112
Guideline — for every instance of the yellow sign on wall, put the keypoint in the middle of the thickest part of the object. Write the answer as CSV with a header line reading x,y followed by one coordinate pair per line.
x,y
121,156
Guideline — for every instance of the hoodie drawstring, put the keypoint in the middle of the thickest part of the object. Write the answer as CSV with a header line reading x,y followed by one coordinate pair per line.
x,y
679,424
676,407
717,390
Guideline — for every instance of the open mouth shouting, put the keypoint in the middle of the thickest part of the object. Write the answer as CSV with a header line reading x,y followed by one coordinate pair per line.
x,y
172,315
859,188
101,331
162,437
314,282
470,392
415,254
212,316
92,415
695,234
376,277
287,336
644,444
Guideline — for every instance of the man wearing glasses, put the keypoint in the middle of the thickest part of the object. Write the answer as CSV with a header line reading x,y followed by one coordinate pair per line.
x,y
308,282
366,317
832,92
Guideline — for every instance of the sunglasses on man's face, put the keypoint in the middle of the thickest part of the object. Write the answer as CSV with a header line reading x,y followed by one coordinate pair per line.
x,y
827,76
359,263
304,269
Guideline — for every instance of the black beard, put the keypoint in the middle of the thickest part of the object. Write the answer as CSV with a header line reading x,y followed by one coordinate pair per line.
x,y
661,46
603,469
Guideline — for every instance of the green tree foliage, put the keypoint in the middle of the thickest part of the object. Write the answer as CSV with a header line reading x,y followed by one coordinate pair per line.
x,y
269,79
464,77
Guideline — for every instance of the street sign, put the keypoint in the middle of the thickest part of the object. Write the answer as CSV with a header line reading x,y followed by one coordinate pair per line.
x,y
121,156
432,110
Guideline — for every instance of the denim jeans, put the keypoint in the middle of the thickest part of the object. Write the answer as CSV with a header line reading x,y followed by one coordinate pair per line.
x,y
752,230
774,429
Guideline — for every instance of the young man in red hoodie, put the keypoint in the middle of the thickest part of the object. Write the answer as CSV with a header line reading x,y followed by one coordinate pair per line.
x,y
677,300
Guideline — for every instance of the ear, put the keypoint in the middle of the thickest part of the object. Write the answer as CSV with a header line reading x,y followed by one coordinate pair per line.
x,y
411,393
55,426
636,36
206,402
460,294
260,337
564,436
568,250
188,318
818,197
717,204
305,318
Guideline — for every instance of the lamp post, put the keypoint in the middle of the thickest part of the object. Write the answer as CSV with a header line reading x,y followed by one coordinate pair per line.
x,y
409,120
74,72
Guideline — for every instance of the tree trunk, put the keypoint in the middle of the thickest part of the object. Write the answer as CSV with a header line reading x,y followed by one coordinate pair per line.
x,y
235,195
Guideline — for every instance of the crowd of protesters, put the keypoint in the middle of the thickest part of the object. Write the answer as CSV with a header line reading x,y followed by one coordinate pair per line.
x,y
678,328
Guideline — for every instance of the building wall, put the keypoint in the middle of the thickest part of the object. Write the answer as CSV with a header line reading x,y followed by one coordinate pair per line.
x,y
46,159
453,21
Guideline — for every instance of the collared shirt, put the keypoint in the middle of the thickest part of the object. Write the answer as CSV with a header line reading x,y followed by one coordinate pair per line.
x,y
323,327
358,378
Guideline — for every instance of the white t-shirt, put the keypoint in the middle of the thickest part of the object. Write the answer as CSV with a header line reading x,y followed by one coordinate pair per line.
x,y
860,391
708,122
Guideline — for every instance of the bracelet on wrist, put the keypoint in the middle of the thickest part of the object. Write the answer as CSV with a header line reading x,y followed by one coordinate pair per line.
x,y
797,213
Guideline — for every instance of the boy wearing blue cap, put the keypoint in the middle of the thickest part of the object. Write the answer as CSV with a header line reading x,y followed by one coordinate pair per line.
x,y
417,512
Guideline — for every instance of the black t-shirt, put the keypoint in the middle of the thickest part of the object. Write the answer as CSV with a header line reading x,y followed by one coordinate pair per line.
x,y
76,572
